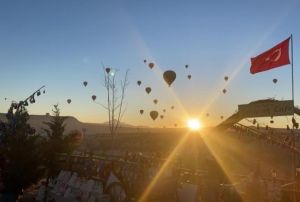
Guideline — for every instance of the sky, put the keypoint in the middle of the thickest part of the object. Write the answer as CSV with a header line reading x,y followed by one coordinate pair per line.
x,y
60,44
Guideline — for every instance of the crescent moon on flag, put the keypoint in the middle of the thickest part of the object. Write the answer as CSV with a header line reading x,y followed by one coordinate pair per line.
x,y
278,51
276,55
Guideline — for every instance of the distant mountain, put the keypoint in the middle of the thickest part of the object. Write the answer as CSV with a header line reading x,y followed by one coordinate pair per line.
x,y
123,124
37,121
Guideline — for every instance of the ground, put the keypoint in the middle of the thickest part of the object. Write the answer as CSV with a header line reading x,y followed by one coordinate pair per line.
x,y
238,155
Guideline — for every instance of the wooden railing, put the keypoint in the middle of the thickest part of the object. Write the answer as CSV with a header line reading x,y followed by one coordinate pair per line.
x,y
265,136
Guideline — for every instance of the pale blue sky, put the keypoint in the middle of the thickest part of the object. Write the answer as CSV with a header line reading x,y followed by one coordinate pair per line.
x,y
62,43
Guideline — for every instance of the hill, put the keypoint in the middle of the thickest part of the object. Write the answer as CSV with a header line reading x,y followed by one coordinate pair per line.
x,y
37,121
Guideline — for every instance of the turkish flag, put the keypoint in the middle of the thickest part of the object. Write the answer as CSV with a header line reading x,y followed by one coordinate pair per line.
x,y
272,58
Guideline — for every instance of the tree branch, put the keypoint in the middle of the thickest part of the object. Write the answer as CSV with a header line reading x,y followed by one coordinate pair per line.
x,y
123,88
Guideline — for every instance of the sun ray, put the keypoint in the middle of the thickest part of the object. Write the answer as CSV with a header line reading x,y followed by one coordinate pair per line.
x,y
210,141
243,61
164,166
142,46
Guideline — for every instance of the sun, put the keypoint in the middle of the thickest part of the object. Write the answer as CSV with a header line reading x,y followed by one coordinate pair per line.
x,y
194,124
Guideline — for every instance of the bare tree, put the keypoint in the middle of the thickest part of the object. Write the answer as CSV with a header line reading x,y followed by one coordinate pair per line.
x,y
115,98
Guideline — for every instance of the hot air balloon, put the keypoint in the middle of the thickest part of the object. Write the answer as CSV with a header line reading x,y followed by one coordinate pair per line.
x,y
69,101
226,78
85,83
224,91
169,77
107,70
207,114
274,80
145,61
186,66
141,111
94,97
161,116
164,110
151,65
172,107
155,101
139,83
148,89
221,117
189,76
153,115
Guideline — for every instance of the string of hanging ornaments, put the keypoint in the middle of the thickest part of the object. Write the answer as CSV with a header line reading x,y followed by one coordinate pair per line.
x,y
29,100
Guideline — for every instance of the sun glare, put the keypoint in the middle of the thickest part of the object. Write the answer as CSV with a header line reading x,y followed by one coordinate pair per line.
x,y
194,124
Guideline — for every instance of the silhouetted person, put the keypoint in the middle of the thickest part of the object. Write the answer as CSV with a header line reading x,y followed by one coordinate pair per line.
x,y
295,124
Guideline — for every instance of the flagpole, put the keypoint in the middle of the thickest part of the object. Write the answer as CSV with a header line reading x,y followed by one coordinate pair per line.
x,y
292,67
293,132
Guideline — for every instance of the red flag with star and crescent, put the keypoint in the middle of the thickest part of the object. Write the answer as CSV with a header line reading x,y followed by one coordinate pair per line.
x,y
272,58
